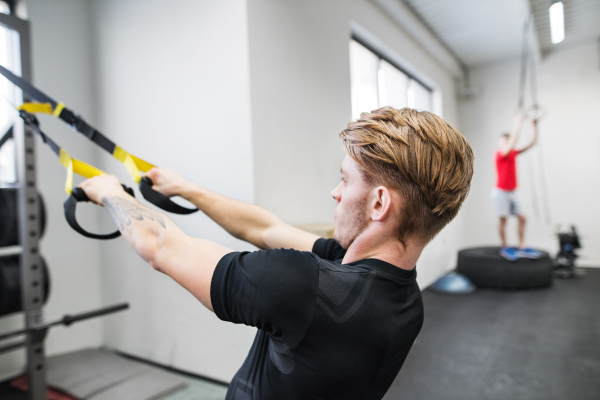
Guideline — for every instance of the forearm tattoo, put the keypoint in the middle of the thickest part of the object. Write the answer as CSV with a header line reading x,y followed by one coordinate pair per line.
x,y
123,211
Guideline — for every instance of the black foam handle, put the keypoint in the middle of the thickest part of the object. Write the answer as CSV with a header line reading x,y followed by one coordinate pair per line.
x,y
70,205
160,200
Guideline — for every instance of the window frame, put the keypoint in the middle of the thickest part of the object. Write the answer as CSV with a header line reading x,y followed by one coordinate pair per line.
x,y
389,60
23,69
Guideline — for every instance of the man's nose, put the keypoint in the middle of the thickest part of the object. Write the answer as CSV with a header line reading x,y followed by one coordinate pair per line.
x,y
335,193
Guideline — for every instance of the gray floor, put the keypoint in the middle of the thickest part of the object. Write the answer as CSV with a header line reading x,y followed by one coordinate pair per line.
x,y
492,345
198,390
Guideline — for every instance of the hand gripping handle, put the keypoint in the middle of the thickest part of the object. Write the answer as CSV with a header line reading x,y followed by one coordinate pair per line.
x,y
78,195
160,200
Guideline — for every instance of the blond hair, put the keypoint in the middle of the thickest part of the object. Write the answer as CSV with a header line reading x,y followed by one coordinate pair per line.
x,y
419,155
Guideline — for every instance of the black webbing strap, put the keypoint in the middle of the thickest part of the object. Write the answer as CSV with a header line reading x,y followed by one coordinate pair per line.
x,y
27,87
32,122
132,163
6,136
79,124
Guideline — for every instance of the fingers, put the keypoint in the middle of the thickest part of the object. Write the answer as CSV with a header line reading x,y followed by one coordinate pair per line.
x,y
153,174
160,176
100,186
166,181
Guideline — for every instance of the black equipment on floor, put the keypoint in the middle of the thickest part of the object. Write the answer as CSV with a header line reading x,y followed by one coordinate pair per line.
x,y
9,224
487,269
568,243
10,284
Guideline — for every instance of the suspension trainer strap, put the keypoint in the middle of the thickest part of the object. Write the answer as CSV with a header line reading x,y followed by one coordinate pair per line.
x,y
521,106
132,163
72,165
540,151
6,136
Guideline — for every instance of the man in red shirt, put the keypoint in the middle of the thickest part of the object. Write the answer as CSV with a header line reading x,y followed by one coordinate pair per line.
x,y
505,200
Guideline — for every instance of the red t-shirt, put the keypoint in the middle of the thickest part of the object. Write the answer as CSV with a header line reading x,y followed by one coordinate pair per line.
x,y
506,169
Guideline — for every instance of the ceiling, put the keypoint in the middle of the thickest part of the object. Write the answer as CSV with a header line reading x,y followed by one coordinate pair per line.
x,y
480,32
582,23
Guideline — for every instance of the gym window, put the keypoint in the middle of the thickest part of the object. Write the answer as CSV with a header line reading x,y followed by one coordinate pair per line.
x,y
378,82
9,58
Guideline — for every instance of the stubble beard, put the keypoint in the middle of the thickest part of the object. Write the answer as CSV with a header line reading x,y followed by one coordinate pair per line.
x,y
356,225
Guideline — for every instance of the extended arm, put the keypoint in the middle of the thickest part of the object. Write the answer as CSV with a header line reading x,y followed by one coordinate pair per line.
x,y
514,135
244,221
533,137
189,261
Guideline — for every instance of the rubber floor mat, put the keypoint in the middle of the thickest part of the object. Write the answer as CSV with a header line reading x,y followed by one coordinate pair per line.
x,y
94,374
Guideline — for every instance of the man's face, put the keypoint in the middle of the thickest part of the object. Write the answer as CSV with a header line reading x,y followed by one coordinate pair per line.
x,y
351,195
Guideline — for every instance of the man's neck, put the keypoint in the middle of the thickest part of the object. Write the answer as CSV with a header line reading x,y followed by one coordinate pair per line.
x,y
390,251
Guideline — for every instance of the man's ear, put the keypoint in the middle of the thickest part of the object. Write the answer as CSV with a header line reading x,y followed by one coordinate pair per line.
x,y
382,203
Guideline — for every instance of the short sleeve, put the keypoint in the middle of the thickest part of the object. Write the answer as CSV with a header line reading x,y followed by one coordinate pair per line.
x,y
273,290
329,249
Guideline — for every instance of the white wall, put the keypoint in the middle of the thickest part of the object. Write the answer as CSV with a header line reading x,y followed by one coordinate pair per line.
x,y
61,58
569,87
173,87
246,98
300,87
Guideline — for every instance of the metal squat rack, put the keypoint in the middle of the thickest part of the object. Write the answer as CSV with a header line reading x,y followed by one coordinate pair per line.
x,y
31,271
28,215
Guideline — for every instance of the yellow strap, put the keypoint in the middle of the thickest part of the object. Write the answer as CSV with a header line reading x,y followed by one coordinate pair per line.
x,y
58,109
142,165
33,108
132,163
67,161
79,167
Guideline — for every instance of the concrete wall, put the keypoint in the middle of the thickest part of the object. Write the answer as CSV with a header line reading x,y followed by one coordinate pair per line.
x,y
569,88
62,67
173,88
300,87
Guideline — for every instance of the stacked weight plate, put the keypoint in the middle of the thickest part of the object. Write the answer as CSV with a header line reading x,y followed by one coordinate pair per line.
x,y
10,284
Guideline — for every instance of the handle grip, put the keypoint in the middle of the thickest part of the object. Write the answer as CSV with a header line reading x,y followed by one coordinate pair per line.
x,y
160,200
70,206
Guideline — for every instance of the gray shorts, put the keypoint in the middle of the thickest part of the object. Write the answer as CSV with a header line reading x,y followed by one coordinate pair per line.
x,y
505,202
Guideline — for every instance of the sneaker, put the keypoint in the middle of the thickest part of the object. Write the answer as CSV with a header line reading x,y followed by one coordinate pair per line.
x,y
509,253
528,252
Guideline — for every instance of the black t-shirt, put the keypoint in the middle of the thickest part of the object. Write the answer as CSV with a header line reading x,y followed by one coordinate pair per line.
x,y
326,330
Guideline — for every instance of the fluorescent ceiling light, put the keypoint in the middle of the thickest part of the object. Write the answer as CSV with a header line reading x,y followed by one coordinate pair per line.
x,y
557,22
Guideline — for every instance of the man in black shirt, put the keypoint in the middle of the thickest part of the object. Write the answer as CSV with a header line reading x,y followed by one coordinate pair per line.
x,y
336,318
